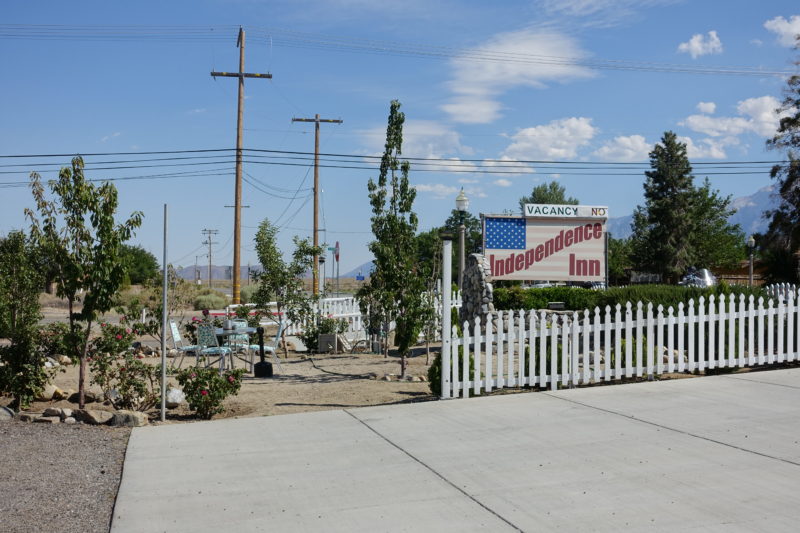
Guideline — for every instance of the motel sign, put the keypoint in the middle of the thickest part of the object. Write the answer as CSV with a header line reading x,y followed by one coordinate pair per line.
x,y
551,242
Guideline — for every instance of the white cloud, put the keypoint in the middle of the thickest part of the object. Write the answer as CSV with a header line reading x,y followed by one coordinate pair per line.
x,y
478,84
559,139
786,30
705,149
421,138
509,164
625,148
597,13
756,115
502,182
707,107
196,111
467,180
108,137
756,42
699,45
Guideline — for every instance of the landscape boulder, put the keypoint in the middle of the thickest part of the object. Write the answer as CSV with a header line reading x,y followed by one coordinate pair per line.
x,y
93,416
47,393
48,420
129,419
6,413
175,397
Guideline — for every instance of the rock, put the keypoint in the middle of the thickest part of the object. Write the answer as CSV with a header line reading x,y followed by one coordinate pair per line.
x,y
175,397
387,377
114,396
146,350
28,417
52,362
88,396
60,394
415,379
129,419
70,420
52,411
173,353
64,360
423,378
47,393
6,413
93,416
66,412
48,420
373,375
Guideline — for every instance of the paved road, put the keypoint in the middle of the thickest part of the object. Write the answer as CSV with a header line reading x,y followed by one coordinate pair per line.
x,y
710,454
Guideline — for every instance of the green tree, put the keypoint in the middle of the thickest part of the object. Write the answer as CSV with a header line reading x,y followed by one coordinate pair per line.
x,y
78,232
782,238
22,372
714,242
681,225
280,281
662,225
140,265
619,260
547,193
397,284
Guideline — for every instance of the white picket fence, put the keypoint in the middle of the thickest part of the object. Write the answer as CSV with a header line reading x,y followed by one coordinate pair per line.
x,y
346,308
545,349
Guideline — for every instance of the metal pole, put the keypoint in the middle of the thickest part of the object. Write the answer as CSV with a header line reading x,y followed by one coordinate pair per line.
x,y
750,274
461,262
164,317
447,273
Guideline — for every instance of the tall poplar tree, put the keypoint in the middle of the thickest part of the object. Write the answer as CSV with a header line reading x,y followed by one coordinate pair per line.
x,y
783,235
396,285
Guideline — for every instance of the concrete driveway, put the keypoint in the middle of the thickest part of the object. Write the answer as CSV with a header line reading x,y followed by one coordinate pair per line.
x,y
707,454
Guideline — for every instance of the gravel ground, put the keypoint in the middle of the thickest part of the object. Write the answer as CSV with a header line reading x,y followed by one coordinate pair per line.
x,y
60,478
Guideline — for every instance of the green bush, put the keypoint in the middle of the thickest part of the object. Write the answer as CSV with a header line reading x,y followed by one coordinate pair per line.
x,y
206,388
53,339
246,293
210,301
435,371
577,299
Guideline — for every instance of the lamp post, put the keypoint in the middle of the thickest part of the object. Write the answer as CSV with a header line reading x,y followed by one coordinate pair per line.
x,y
462,203
751,245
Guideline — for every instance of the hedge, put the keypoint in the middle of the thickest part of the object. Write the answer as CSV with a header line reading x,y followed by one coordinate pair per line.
x,y
576,298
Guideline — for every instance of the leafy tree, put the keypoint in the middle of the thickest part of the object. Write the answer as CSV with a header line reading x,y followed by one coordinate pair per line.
x,y
547,193
619,260
78,232
783,235
681,225
22,372
280,281
714,242
397,284
140,265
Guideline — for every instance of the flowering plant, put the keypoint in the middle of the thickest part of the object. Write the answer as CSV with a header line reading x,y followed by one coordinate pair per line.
x,y
206,388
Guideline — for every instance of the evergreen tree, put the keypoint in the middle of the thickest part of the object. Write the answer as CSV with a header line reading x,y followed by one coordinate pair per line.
x,y
547,193
681,225
396,285
782,238
662,225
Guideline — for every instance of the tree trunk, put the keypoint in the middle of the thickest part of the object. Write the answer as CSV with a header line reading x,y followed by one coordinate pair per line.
x,y
82,368
427,350
403,364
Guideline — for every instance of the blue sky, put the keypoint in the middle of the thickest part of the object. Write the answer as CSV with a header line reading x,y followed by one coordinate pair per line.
x,y
97,94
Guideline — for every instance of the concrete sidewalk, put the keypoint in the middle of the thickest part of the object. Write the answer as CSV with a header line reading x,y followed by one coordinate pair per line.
x,y
715,453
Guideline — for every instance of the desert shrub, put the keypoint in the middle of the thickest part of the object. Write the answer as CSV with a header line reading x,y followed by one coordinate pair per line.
x,y
210,301
435,370
246,293
53,339
324,325
206,388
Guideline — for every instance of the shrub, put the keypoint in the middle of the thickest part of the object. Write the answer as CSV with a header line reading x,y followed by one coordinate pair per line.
x,y
206,388
324,325
435,371
53,339
210,301
246,293
138,384
577,299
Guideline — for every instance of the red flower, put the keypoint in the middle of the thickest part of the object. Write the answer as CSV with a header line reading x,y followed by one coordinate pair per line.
x,y
193,375
230,379
119,336
204,392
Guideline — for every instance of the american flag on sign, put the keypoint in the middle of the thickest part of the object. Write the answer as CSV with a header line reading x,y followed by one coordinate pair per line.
x,y
505,233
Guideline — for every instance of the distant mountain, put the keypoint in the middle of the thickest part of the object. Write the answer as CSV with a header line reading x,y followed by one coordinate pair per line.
x,y
749,211
365,270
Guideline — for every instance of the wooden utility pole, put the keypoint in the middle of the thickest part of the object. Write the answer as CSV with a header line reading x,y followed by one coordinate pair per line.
x,y
209,233
237,216
316,120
